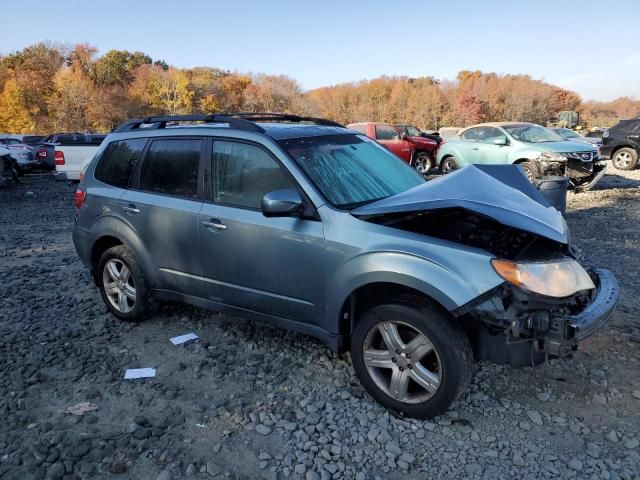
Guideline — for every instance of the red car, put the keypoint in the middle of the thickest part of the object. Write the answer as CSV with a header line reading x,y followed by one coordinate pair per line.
x,y
417,151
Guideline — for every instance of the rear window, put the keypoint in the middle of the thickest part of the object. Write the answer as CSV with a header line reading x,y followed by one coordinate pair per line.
x,y
118,162
171,166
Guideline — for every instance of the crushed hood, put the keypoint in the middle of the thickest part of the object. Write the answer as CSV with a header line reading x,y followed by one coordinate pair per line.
x,y
501,192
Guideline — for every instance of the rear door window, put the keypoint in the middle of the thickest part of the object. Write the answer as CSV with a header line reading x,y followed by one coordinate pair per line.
x,y
118,161
170,167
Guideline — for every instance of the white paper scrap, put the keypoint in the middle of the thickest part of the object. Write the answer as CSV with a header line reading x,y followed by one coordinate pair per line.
x,y
183,338
133,373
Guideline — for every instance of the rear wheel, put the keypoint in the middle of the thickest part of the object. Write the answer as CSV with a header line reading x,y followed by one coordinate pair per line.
x,y
449,165
411,357
123,284
625,159
422,162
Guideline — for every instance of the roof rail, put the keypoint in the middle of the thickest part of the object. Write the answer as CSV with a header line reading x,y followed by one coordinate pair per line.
x,y
286,117
161,122
240,120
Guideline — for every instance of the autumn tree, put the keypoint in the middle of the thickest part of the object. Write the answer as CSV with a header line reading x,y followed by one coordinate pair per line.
x,y
14,114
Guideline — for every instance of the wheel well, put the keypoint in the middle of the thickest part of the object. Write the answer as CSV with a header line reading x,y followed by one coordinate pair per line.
x,y
100,246
369,295
521,160
448,155
620,147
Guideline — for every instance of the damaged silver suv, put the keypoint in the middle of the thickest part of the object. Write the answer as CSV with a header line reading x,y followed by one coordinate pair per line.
x,y
310,226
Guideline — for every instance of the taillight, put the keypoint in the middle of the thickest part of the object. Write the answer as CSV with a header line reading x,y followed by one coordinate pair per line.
x,y
59,158
42,153
79,197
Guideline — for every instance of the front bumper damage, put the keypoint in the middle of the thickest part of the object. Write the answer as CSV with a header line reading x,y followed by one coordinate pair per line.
x,y
583,175
518,328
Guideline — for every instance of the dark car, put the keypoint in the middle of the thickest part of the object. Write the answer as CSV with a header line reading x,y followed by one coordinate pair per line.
x,y
307,225
621,143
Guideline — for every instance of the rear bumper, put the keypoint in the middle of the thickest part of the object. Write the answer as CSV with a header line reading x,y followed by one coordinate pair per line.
x,y
83,241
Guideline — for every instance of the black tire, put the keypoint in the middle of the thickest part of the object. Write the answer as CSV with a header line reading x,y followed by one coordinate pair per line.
x,y
15,173
625,159
451,345
422,162
531,170
448,165
140,306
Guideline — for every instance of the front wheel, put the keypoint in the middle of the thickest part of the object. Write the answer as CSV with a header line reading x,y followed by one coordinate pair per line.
x,y
530,170
625,159
411,357
422,163
449,165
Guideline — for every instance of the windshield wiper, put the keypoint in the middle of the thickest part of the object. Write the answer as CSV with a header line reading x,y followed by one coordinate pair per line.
x,y
352,205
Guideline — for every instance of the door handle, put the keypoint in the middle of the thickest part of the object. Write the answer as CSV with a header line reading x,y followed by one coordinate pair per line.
x,y
474,148
131,210
214,224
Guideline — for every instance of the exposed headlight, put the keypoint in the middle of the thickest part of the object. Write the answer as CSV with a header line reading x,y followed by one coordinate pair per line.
x,y
552,157
553,279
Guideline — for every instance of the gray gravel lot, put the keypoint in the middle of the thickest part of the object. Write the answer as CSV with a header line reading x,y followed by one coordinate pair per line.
x,y
249,401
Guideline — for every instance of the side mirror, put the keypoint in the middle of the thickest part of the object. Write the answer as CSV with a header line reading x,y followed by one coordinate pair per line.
x,y
500,141
403,136
281,203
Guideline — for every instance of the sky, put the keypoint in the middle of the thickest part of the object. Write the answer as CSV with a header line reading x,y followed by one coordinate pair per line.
x,y
590,47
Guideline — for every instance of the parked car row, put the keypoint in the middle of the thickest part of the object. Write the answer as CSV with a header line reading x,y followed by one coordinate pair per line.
x,y
63,153
538,150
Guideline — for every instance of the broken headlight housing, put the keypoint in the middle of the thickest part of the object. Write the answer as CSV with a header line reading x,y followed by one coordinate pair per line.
x,y
552,157
557,278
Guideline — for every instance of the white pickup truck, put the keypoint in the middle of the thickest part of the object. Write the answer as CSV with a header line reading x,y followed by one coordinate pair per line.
x,y
71,157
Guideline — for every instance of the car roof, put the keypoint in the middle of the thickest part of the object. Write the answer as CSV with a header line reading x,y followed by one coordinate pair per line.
x,y
496,124
283,131
274,130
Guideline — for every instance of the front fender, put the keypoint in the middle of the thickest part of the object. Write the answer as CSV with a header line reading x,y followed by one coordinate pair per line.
x,y
449,149
450,285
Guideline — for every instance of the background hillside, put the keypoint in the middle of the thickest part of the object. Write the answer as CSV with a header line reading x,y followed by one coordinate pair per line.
x,y
47,87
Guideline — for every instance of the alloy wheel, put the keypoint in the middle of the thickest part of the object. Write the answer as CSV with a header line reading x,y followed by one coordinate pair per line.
x,y
402,362
422,164
118,285
622,160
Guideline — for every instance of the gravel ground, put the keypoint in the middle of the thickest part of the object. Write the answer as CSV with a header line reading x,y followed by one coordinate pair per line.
x,y
249,401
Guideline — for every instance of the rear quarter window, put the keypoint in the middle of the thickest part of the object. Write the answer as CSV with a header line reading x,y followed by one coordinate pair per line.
x,y
118,161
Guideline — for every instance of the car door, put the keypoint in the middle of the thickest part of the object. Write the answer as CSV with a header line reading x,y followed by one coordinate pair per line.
x,y
488,151
272,266
468,147
390,138
162,207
